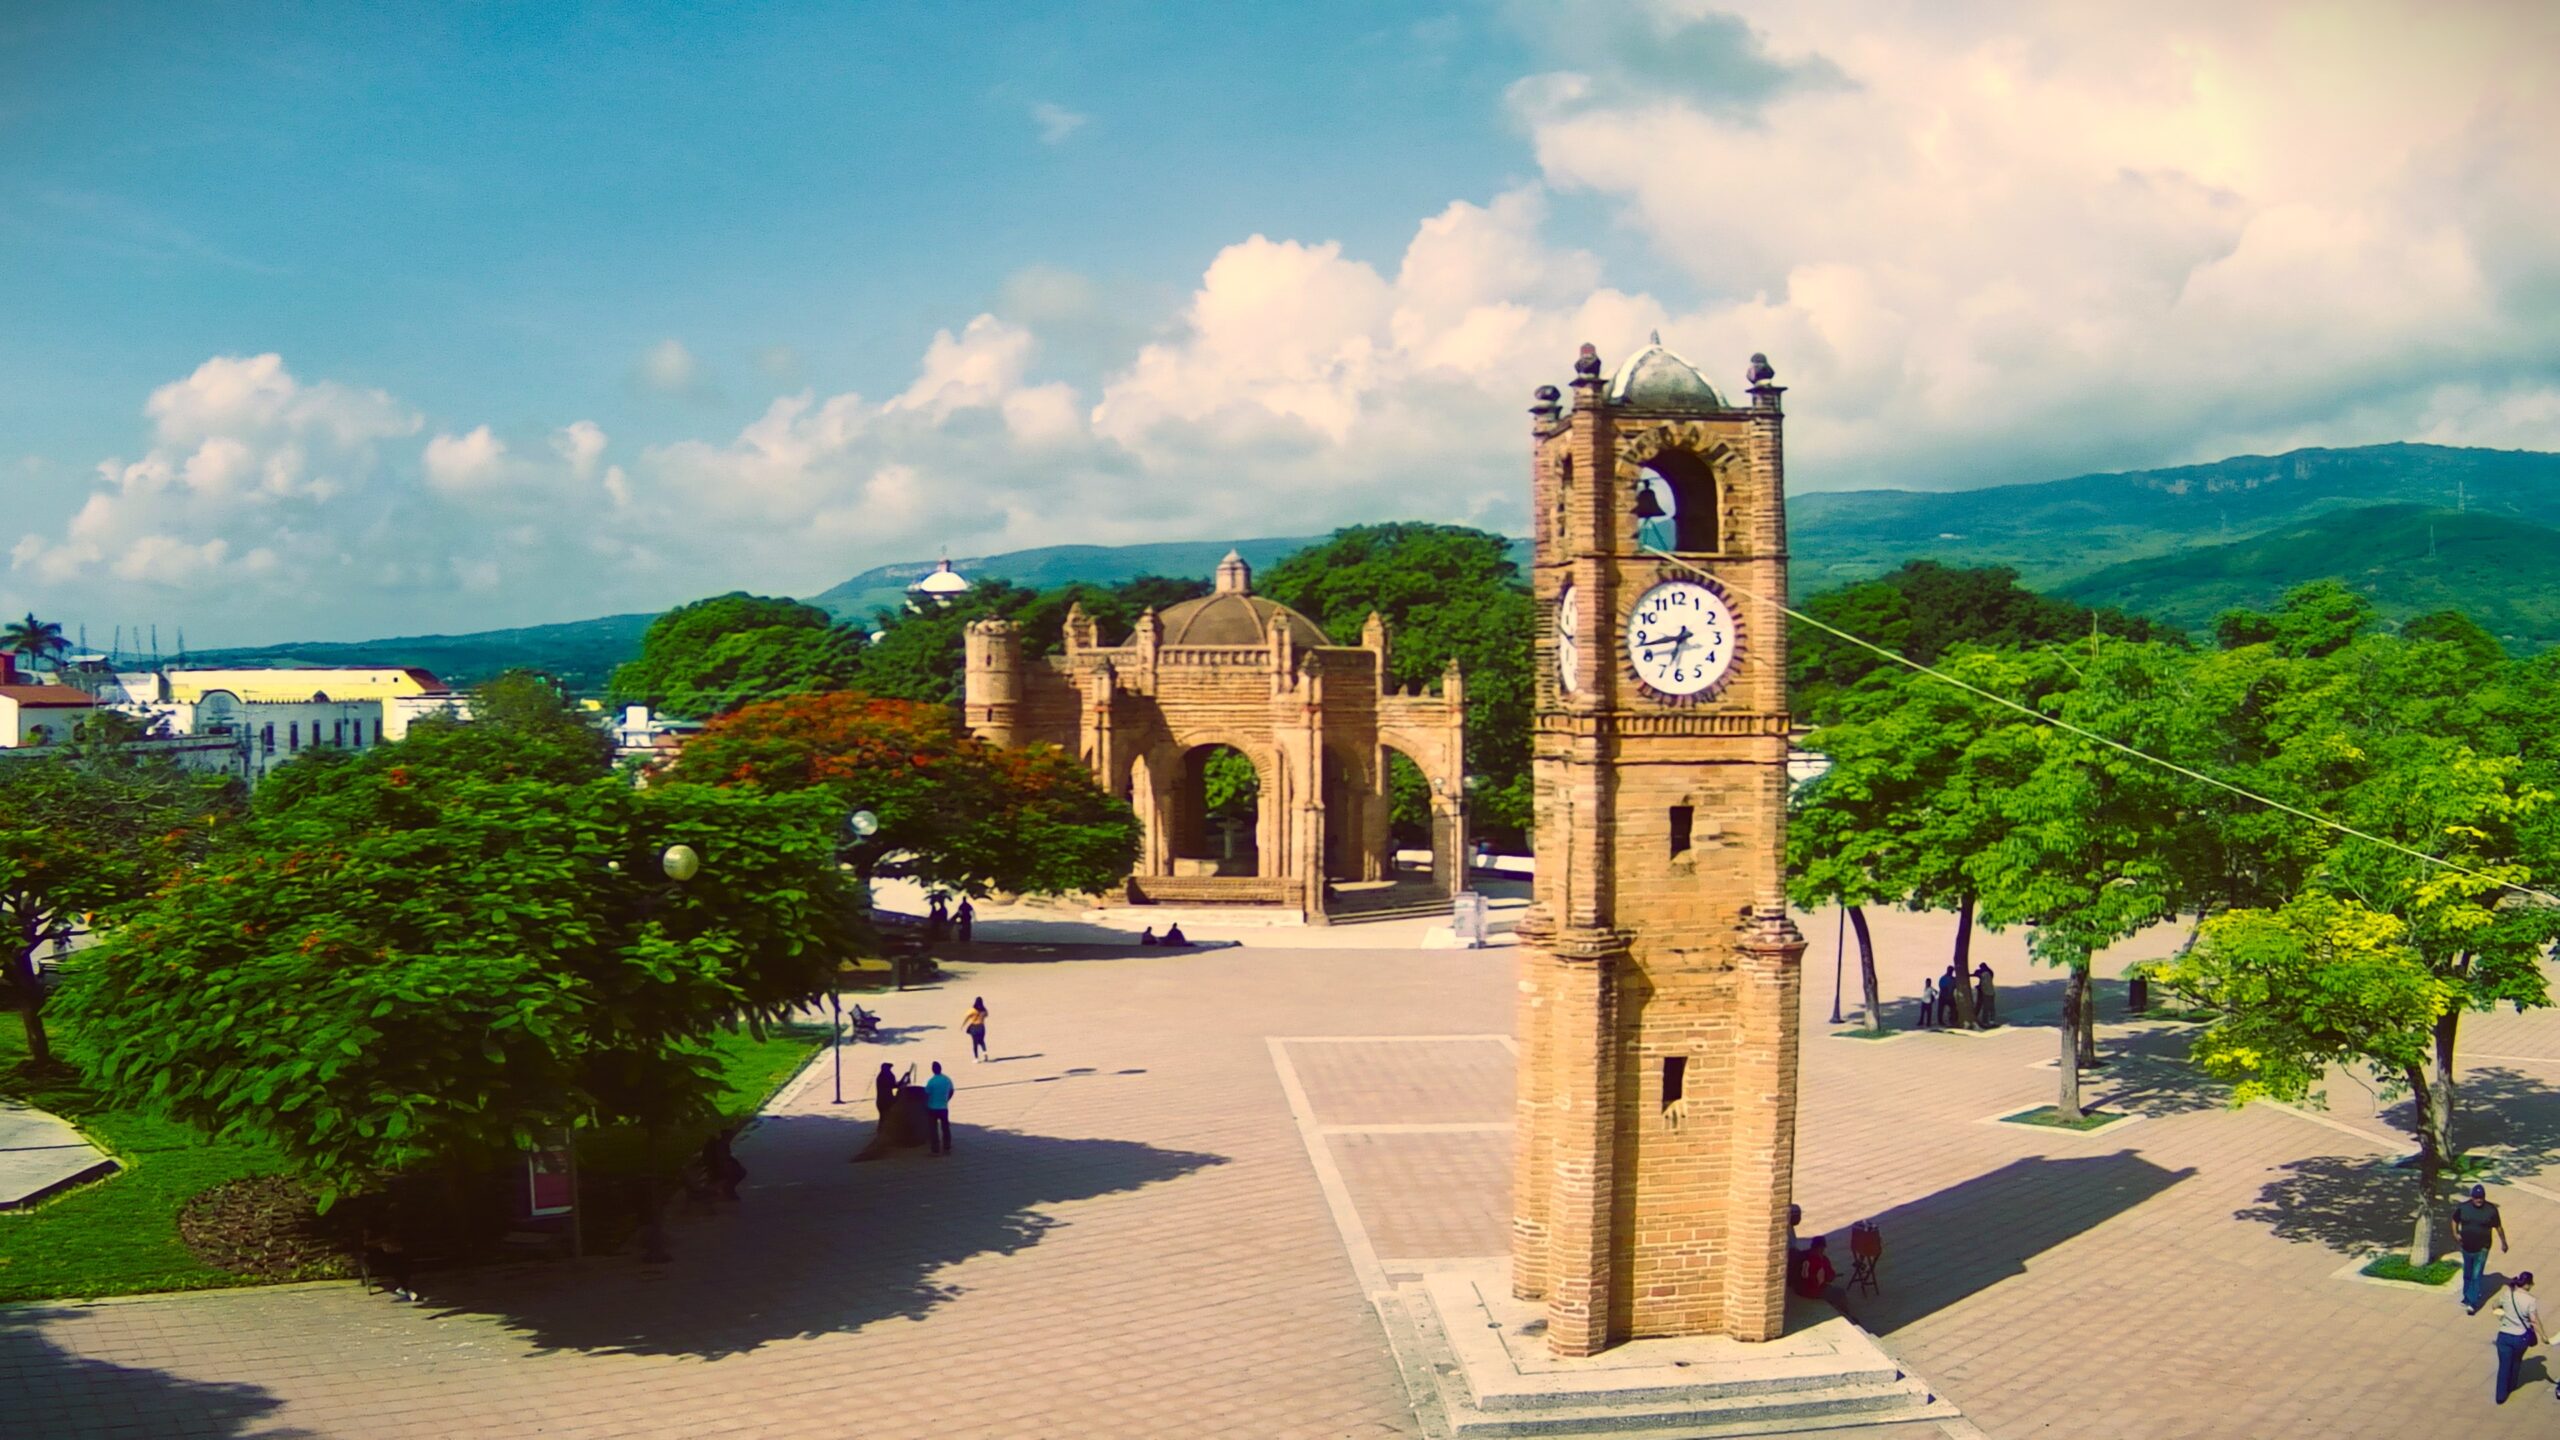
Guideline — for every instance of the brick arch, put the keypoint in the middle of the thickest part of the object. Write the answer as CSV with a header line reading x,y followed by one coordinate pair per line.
x,y
1180,813
1725,467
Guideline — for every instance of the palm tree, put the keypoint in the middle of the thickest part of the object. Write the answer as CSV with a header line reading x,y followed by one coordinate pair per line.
x,y
36,639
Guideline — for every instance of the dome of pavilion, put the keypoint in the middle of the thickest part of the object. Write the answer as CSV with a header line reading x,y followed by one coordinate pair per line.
x,y
1654,378
1234,615
943,584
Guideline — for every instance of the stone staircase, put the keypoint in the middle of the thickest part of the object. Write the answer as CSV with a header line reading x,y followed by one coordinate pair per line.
x,y
1356,904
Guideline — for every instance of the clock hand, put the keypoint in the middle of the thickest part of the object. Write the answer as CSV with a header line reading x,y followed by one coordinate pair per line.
x,y
1677,643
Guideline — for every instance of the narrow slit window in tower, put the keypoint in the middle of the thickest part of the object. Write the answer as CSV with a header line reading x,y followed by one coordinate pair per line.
x,y
1682,819
1675,1077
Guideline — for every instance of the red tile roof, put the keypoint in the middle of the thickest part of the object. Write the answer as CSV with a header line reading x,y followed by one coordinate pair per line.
x,y
47,696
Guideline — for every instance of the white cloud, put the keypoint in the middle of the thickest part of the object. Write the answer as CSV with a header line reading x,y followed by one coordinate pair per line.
x,y
1056,122
1983,245
464,462
670,369
580,443
1979,245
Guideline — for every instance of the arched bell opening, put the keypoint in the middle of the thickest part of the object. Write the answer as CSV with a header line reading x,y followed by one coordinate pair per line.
x,y
1676,505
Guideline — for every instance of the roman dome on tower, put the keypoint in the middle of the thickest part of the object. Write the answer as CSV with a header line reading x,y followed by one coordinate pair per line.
x,y
1655,378
1233,615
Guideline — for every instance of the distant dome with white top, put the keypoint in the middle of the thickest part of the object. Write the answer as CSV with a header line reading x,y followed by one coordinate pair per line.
x,y
943,585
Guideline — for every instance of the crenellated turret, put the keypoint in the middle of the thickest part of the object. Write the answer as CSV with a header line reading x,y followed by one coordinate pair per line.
x,y
993,651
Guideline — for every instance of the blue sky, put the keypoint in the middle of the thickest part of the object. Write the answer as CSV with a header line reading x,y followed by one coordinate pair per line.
x,y
330,321
495,208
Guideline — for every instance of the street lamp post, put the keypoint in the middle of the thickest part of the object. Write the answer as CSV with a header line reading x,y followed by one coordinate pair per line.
x,y
835,1004
679,863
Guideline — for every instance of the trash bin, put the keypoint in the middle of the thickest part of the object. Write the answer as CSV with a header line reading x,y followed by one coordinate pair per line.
x,y
2137,995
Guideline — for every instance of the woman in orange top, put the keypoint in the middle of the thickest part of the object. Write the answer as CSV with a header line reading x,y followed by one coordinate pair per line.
x,y
976,1025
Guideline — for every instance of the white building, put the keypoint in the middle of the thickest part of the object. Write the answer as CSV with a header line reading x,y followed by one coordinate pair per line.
x,y
37,714
271,716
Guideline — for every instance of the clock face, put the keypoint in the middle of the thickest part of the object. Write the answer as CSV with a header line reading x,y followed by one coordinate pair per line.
x,y
1568,639
1681,638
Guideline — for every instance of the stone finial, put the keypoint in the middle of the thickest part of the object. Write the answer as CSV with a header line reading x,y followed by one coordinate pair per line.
x,y
1234,576
1765,388
1550,405
1586,366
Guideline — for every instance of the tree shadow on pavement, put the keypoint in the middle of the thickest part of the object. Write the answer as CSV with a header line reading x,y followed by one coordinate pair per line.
x,y
2494,1106
817,1245
1943,1248
2351,1204
49,1391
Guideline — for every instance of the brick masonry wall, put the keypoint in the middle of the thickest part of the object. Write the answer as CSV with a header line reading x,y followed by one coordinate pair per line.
x,y
1637,1213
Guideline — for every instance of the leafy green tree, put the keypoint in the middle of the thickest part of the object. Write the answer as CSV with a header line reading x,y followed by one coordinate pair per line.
x,y
954,812
1229,788
1447,593
2084,840
90,834
1923,611
714,655
430,953
1897,814
2319,981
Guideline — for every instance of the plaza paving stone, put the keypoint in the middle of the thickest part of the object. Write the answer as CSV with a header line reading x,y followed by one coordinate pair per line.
x,y
1131,1239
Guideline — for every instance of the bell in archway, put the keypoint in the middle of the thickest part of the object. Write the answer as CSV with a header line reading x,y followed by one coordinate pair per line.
x,y
1648,504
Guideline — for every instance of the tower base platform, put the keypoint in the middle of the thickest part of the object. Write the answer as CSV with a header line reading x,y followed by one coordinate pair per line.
x,y
1477,1364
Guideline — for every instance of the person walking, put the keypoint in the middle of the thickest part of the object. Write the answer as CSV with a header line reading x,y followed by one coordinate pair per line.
x,y
1986,1002
1928,1002
2474,1221
976,1024
967,918
937,1110
2519,1326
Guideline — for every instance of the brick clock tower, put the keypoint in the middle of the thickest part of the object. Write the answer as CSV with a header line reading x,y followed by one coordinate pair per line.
x,y
1658,968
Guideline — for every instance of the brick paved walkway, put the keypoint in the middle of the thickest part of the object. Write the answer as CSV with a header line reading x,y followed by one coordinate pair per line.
x,y
1131,1239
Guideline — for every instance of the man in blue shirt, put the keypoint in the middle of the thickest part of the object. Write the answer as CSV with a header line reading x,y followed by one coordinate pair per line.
x,y
937,1110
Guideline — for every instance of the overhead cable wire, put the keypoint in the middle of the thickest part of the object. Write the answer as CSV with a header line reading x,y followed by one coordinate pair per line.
x,y
2145,756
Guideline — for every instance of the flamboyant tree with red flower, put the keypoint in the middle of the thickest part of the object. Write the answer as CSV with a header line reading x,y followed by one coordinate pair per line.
x,y
954,811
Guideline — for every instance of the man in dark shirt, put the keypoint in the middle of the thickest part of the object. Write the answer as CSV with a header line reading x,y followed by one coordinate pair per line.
x,y
2474,1221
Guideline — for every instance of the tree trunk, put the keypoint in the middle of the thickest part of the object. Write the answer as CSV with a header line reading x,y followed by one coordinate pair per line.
x,y
2422,1104
2431,1102
22,979
1867,967
2085,1024
1964,965
2067,1064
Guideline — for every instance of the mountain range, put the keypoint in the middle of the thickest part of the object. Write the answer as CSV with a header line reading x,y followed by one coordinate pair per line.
x,y
2416,527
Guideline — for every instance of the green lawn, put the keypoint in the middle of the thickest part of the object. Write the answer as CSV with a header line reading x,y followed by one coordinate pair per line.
x,y
2397,1267
119,1236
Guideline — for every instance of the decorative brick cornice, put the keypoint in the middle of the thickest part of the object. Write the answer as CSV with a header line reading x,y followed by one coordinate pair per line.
x,y
1657,722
